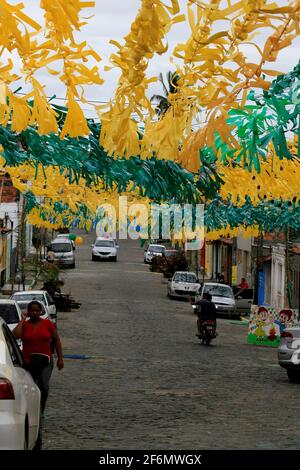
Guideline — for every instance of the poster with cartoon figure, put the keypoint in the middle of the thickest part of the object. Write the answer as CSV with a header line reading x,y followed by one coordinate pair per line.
x,y
267,323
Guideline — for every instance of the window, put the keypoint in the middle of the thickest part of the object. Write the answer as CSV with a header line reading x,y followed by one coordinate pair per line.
x,y
12,346
244,293
9,313
156,249
28,297
218,291
61,247
24,307
105,243
49,299
185,277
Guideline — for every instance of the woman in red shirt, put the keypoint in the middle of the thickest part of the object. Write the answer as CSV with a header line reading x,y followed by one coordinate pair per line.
x,y
38,337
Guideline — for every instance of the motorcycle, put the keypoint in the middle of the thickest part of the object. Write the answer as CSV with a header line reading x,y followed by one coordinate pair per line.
x,y
207,328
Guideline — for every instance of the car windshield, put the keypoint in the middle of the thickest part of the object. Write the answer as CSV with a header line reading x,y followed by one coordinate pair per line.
x,y
28,297
156,249
24,307
170,253
105,243
185,277
61,247
9,314
219,291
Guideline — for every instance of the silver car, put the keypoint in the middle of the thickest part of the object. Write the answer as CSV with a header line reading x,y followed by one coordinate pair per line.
x,y
289,353
222,297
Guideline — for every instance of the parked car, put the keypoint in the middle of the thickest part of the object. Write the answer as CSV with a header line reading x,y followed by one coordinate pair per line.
x,y
243,300
20,398
153,250
289,353
66,236
105,248
42,296
23,304
183,284
165,263
10,312
63,252
222,296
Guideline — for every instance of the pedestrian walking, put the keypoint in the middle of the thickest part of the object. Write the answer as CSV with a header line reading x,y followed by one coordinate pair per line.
x,y
39,338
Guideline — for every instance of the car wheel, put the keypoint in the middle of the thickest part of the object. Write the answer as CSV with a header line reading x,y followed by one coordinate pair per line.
x,y
114,258
73,266
93,258
293,375
235,317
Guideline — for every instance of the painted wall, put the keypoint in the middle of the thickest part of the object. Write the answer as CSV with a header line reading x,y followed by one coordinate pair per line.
x,y
278,276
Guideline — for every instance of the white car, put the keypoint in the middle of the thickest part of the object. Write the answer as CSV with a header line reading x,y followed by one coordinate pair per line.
x,y
222,297
20,398
40,295
10,312
153,250
183,284
105,248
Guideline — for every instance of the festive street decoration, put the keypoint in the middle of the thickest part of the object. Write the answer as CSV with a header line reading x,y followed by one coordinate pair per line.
x,y
267,323
242,163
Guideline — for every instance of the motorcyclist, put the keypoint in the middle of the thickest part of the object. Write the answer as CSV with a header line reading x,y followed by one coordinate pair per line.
x,y
205,310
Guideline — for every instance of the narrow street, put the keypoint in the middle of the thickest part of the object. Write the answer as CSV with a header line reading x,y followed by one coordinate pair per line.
x,y
147,383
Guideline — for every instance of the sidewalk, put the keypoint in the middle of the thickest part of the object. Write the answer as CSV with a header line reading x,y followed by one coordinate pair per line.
x,y
31,284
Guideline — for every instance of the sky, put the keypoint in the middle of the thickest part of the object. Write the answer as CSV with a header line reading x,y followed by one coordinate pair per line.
x,y
112,20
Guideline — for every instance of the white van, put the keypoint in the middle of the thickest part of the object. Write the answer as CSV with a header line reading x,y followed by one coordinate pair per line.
x,y
63,252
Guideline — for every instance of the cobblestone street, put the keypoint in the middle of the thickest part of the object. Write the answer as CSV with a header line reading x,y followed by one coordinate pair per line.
x,y
147,382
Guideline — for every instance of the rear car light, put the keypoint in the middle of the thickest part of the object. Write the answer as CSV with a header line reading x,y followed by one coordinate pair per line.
x,y
6,390
286,334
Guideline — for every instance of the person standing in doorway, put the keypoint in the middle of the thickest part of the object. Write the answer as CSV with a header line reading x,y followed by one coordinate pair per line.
x,y
243,284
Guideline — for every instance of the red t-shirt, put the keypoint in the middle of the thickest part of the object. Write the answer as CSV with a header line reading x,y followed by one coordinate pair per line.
x,y
37,339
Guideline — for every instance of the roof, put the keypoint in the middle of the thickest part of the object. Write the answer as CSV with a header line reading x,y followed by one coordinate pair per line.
x,y
61,239
21,292
185,272
216,284
105,238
